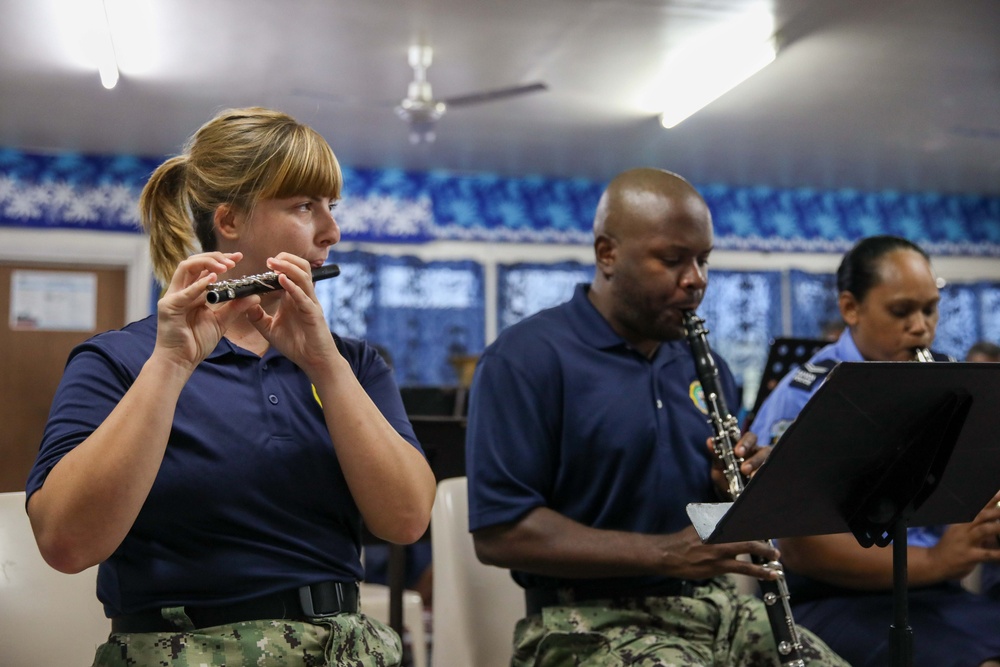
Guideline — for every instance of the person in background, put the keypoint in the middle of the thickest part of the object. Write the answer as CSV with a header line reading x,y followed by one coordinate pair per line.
x,y
217,462
983,351
989,575
587,438
888,298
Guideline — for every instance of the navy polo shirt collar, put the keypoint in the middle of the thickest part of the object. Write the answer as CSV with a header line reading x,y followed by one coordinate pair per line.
x,y
226,346
595,331
223,347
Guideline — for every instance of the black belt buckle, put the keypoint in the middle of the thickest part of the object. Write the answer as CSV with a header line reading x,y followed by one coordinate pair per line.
x,y
309,608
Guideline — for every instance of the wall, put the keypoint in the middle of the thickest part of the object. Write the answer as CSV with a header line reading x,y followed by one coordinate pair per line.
x,y
83,206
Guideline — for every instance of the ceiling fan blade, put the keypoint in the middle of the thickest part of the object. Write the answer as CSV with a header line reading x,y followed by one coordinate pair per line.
x,y
494,95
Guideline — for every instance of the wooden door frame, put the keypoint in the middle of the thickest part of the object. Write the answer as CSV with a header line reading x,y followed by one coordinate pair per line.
x,y
95,248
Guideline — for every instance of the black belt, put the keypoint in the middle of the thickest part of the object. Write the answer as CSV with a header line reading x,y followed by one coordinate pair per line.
x,y
327,598
535,599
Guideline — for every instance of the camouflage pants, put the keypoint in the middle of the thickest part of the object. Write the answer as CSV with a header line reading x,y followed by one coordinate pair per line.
x,y
346,639
715,627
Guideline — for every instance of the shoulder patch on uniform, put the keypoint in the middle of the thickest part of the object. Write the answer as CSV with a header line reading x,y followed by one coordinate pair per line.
x,y
778,429
808,374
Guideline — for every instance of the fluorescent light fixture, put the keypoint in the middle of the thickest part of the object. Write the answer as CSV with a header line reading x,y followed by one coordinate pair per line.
x,y
107,62
705,68
108,36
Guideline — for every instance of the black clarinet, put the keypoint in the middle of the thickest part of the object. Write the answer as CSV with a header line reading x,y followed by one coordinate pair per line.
x,y
726,434
237,288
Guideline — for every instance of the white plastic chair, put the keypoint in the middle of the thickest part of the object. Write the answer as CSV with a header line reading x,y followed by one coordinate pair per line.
x,y
375,603
46,617
475,606
973,582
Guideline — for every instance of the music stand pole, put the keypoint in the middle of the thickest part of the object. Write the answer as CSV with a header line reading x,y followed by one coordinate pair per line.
x,y
892,494
901,639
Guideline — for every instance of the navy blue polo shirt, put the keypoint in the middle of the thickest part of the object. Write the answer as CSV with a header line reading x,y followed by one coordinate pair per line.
x,y
249,498
564,414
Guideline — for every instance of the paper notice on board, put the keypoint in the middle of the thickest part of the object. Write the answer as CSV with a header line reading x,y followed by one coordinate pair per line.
x,y
53,301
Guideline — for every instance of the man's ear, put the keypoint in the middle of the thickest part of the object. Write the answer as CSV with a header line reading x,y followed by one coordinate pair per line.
x,y
226,222
605,254
848,308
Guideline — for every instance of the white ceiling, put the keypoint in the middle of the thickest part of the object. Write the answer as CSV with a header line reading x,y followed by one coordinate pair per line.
x,y
866,94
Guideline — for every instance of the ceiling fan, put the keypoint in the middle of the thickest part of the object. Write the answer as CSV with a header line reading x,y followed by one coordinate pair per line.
x,y
421,110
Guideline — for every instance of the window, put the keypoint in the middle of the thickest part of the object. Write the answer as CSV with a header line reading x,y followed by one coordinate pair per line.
x,y
423,314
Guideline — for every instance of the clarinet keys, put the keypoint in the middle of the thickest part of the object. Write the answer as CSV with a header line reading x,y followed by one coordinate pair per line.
x,y
237,288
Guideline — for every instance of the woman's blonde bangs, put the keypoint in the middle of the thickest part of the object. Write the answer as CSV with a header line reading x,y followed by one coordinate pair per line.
x,y
308,167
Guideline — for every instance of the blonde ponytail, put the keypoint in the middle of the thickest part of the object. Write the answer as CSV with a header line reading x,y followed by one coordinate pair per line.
x,y
166,217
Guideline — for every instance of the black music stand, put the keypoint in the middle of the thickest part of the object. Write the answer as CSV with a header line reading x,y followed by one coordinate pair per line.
x,y
880,447
783,355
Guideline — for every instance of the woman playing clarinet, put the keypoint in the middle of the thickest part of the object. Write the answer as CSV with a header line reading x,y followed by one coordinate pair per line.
x,y
888,297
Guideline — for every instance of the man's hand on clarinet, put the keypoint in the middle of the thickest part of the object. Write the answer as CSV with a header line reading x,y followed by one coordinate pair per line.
x,y
746,449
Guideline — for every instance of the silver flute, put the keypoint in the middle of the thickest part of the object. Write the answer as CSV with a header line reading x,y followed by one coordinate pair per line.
x,y
237,288
726,433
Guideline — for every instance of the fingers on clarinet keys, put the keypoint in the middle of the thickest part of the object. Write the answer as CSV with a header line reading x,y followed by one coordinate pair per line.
x,y
227,290
774,569
237,288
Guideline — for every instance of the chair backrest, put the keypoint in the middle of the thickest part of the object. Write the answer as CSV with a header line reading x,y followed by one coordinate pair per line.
x,y
475,606
46,617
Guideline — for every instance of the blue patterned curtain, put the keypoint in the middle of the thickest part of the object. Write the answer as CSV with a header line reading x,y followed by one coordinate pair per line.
x,y
958,328
392,206
421,313
814,302
742,311
526,288
960,325
989,311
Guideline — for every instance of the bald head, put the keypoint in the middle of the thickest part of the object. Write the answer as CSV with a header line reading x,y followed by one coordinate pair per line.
x,y
652,239
640,198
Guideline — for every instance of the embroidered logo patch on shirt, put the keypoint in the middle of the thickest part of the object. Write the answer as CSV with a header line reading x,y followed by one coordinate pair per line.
x,y
697,395
316,396
809,374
